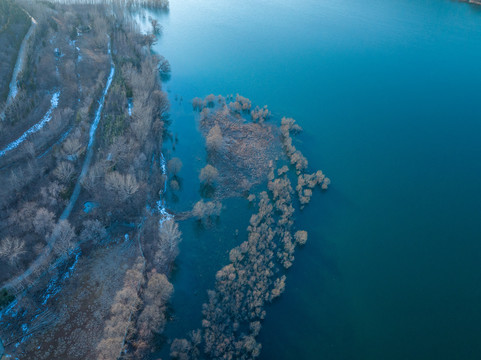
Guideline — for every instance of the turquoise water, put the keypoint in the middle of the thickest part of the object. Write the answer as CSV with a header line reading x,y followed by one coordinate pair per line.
x,y
388,94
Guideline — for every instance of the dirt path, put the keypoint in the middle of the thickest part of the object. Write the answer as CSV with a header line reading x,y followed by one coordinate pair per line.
x,y
19,64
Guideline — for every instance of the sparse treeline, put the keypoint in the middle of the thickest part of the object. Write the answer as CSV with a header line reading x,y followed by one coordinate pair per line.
x,y
305,182
236,307
254,277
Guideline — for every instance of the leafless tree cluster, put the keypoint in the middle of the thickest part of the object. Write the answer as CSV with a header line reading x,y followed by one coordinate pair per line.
x,y
63,235
260,114
237,147
241,104
11,250
205,211
305,182
93,231
43,222
121,186
125,163
126,303
208,174
183,349
168,246
289,125
152,317
236,307
214,138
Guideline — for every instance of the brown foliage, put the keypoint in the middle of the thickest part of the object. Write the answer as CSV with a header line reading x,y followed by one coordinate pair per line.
x,y
208,174
206,210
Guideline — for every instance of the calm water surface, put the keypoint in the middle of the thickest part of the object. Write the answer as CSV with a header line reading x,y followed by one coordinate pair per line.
x,y
388,95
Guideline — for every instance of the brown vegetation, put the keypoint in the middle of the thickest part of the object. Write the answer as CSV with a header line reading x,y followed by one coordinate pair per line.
x,y
208,174
205,211
254,277
238,148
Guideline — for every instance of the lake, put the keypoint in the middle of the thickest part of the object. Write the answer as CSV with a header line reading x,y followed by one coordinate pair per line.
x,y
387,92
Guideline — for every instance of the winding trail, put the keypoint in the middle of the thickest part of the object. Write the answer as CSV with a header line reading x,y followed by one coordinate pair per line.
x,y
15,283
35,128
90,151
19,64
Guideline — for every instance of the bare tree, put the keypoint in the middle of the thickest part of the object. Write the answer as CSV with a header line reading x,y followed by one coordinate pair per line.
x,y
204,210
174,166
174,185
197,103
156,295
43,221
301,237
93,231
72,147
11,249
64,171
63,236
170,237
123,186
208,174
214,138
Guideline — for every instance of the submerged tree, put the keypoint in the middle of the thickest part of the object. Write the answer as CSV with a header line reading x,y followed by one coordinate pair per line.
x,y
208,174
204,211
169,238
174,166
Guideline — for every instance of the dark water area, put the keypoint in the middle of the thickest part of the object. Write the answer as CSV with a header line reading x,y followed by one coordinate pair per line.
x,y
388,95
